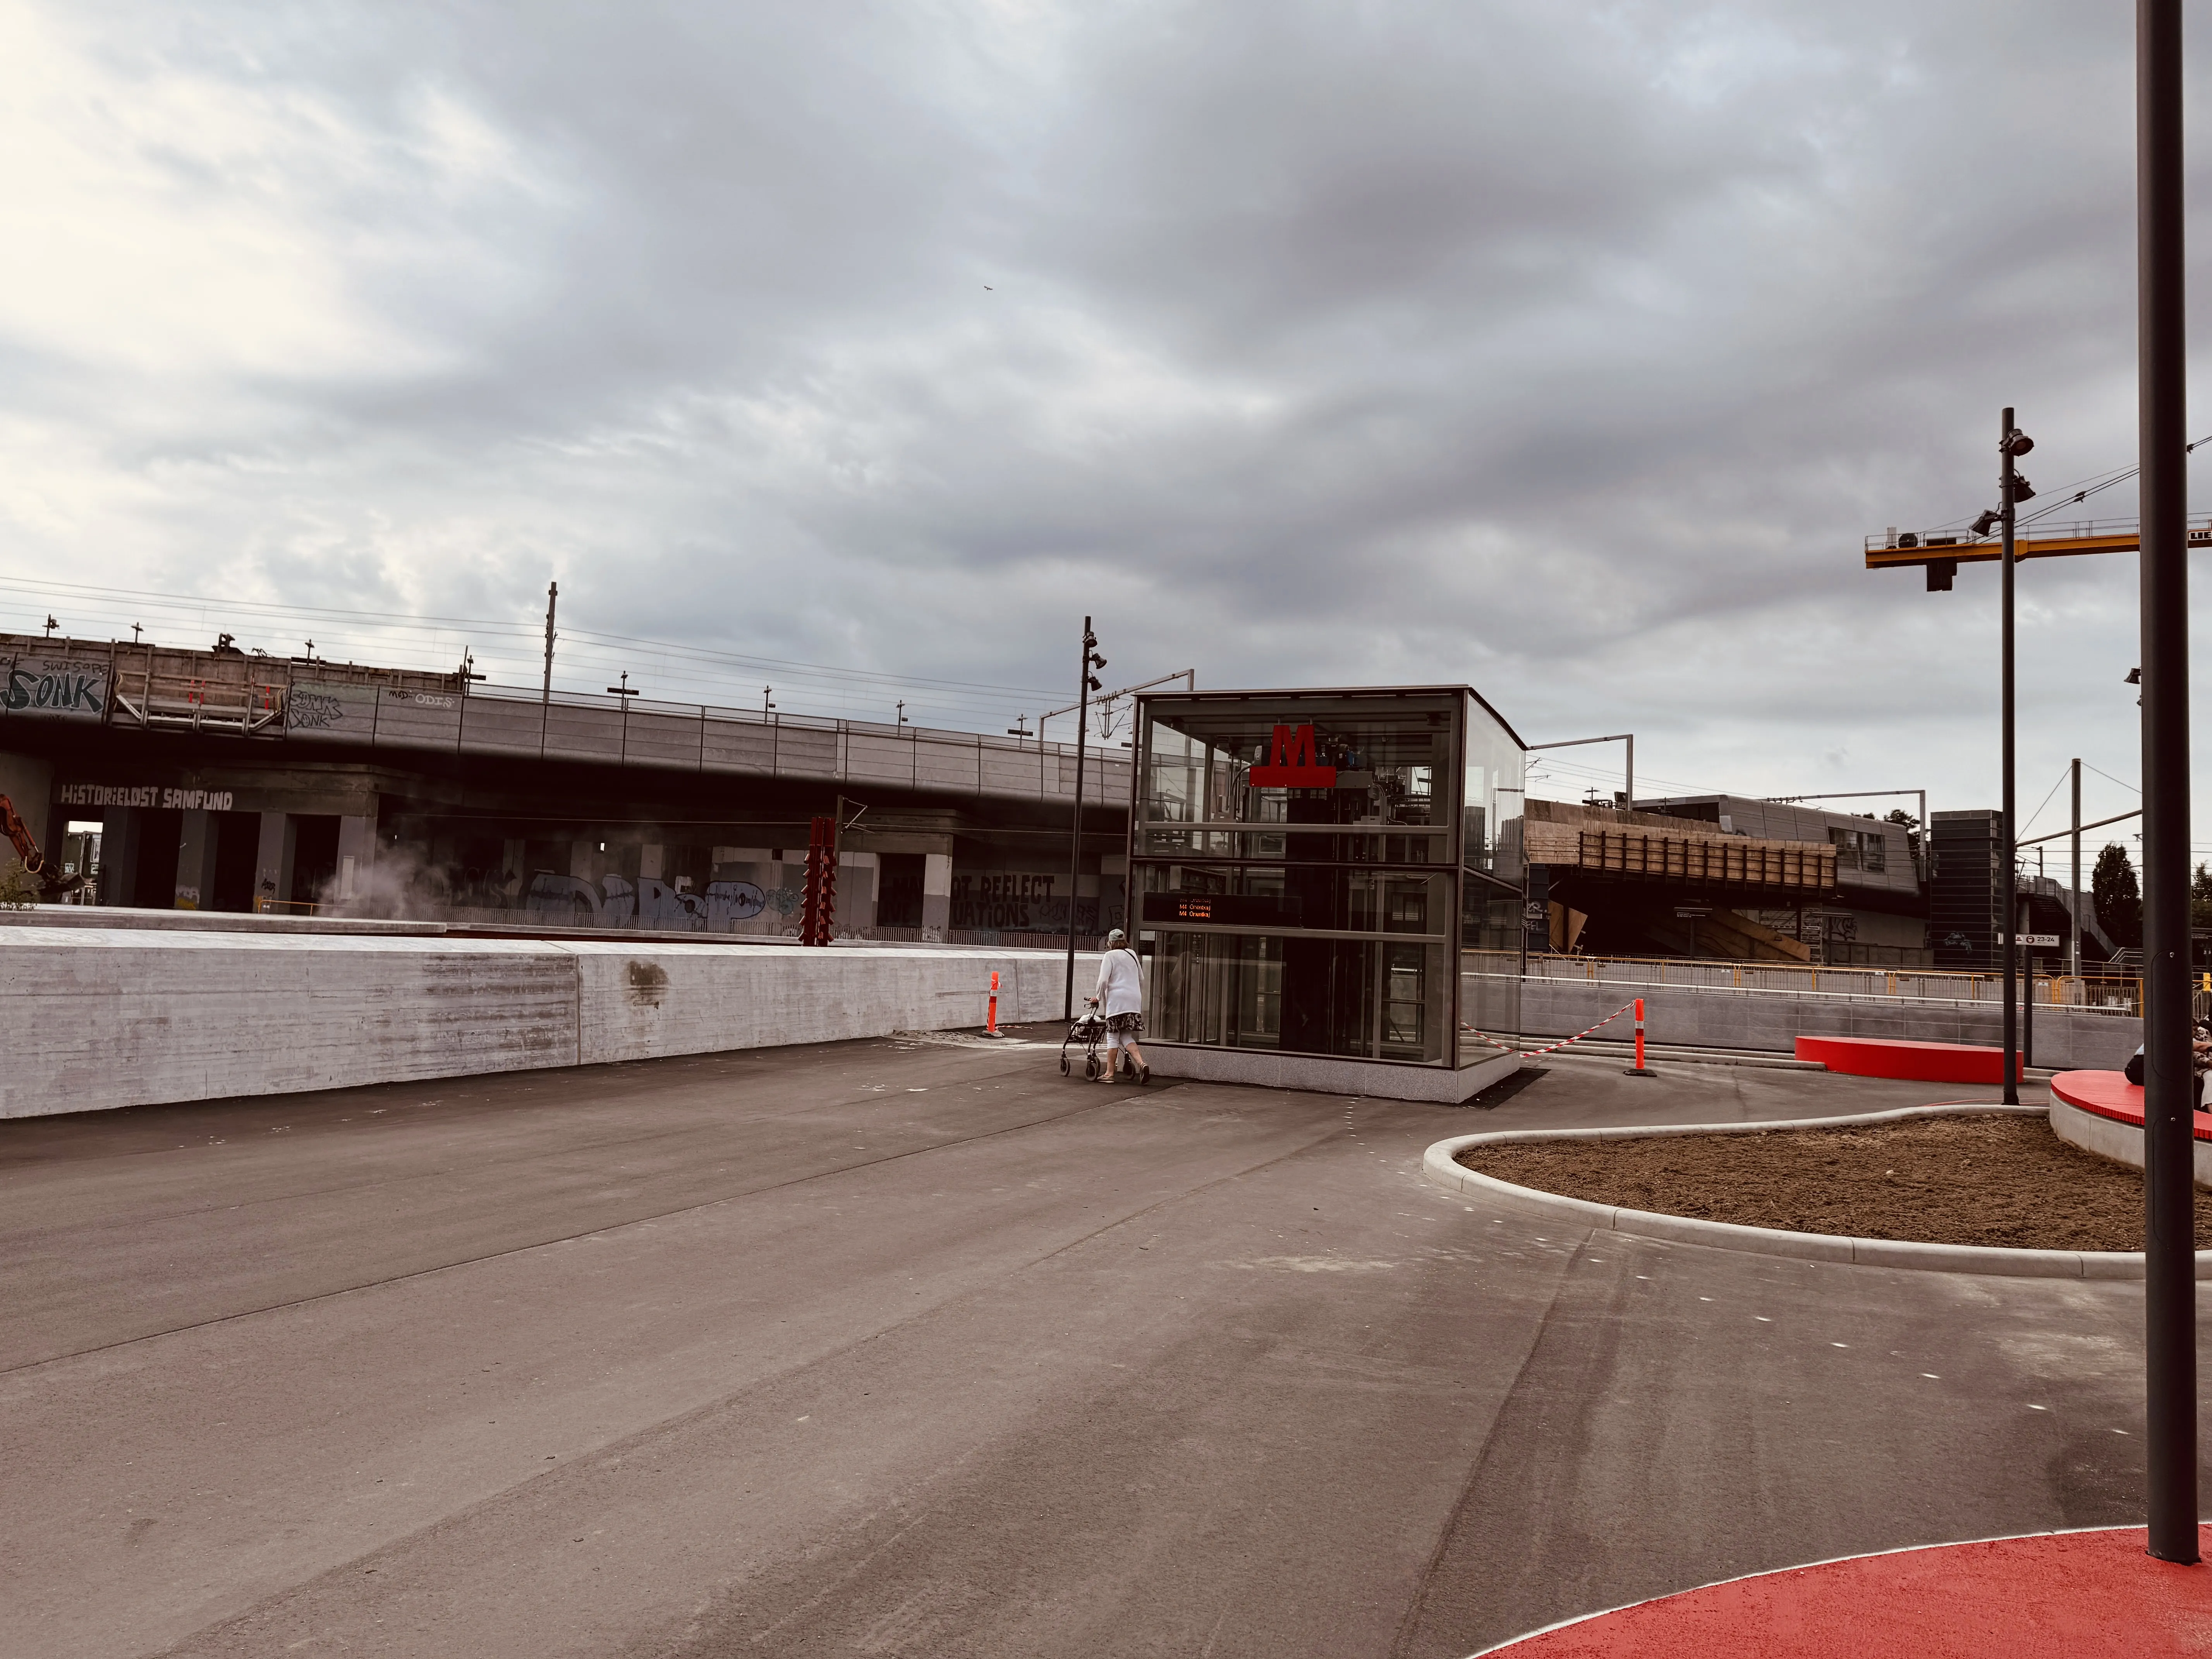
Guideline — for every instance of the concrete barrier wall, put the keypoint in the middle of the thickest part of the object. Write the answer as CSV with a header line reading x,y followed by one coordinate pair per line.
x,y
1717,1017
99,1018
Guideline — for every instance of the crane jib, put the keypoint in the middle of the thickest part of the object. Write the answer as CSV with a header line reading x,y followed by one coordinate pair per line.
x,y
1880,555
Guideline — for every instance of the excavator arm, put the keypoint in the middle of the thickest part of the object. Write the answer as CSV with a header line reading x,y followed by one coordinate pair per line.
x,y
27,849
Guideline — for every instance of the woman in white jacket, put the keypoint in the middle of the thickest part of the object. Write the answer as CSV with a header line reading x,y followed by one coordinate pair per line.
x,y
1120,998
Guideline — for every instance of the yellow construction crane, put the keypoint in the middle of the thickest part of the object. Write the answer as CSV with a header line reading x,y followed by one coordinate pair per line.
x,y
1941,554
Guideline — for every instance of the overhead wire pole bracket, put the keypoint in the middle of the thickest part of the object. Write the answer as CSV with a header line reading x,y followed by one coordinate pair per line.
x,y
1188,676
1628,785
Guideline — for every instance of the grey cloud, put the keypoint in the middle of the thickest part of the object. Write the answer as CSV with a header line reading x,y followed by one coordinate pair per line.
x,y
1570,349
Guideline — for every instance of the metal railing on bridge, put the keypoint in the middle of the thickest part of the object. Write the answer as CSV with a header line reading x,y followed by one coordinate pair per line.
x,y
345,706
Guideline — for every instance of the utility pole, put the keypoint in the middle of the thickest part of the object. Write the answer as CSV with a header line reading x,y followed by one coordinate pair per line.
x,y
552,599
2074,904
2169,1243
1085,684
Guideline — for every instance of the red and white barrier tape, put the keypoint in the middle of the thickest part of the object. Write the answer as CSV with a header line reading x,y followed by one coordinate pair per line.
x,y
1531,1053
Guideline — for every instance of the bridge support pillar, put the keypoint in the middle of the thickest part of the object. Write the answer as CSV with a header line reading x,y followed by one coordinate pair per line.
x,y
936,894
195,882
272,859
356,852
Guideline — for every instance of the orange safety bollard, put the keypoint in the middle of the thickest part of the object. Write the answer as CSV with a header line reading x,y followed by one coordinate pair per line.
x,y
992,1029
1639,1069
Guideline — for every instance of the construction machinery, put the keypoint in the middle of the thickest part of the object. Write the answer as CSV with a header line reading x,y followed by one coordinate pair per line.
x,y
51,885
1941,554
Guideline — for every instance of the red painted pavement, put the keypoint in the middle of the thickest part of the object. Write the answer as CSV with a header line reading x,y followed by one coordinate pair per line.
x,y
1922,1062
2109,1094
2051,1596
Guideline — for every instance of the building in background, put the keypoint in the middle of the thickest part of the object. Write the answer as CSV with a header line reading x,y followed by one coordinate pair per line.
x,y
1965,919
1874,914
217,779
1605,881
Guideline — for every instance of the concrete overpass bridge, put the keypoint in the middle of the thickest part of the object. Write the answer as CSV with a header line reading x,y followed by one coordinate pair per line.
x,y
224,780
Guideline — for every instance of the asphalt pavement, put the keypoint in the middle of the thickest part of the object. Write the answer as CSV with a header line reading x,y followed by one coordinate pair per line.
x,y
918,1348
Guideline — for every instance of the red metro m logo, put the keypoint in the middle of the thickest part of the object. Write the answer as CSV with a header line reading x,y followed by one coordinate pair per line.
x,y
1292,763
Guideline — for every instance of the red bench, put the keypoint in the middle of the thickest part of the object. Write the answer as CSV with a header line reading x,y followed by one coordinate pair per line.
x,y
1922,1062
2102,1112
2109,1094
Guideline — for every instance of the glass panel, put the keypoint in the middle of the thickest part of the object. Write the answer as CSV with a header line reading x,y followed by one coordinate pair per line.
x,y
1416,1002
1313,841
1285,897
1384,760
1222,990
1493,796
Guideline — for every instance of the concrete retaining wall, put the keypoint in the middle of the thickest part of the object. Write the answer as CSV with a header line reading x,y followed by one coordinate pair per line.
x,y
99,1018
1717,1017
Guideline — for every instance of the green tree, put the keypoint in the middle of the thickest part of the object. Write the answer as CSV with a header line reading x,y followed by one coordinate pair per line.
x,y
1898,815
2200,898
2116,898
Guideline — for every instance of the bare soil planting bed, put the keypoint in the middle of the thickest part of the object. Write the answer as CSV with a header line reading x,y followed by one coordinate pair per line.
x,y
2001,1180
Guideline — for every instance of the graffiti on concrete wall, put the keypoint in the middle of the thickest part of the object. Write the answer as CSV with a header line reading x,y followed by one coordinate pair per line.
x,y
312,711
70,687
1007,900
1020,900
618,901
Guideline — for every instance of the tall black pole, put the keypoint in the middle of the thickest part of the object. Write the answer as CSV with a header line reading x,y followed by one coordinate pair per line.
x,y
2011,823
2169,1278
2073,901
1075,851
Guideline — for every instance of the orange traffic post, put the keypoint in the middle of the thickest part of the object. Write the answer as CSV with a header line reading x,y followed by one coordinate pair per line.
x,y
1639,1069
992,1029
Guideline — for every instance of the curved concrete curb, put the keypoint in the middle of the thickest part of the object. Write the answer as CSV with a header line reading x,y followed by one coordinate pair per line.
x,y
1440,1164
2118,1139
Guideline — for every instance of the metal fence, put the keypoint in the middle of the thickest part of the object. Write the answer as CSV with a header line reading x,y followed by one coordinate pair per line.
x,y
2113,993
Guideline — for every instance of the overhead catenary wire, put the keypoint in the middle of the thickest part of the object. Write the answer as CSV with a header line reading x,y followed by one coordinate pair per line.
x,y
2073,493
526,630
2028,822
507,649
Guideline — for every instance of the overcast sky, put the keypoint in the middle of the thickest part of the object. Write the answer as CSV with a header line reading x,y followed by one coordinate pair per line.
x,y
1568,350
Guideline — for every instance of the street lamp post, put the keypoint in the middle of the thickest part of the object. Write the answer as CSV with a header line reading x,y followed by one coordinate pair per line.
x,y
2012,443
2012,491
1085,684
